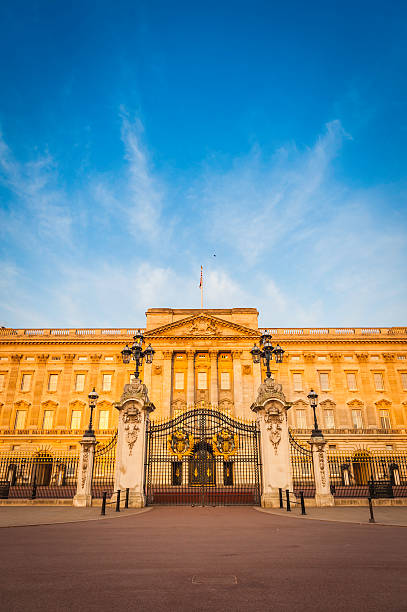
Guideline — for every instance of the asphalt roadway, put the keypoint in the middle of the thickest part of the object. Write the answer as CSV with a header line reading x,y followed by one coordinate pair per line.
x,y
203,559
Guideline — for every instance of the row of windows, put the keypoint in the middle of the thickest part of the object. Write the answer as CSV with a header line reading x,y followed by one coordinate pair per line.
x,y
351,381
329,419
324,382
26,381
202,380
48,419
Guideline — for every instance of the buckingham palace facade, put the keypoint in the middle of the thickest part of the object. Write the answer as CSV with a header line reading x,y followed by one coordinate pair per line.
x,y
202,358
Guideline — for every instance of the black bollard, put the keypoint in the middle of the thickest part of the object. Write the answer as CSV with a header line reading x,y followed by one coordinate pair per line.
x,y
126,502
34,489
287,494
118,501
280,492
103,512
302,503
371,520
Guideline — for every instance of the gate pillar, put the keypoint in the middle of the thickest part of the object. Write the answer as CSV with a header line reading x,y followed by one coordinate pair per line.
x,y
323,495
134,408
271,408
83,495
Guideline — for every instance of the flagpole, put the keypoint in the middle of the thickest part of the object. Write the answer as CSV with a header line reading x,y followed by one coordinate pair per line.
x,y
201,290
201,286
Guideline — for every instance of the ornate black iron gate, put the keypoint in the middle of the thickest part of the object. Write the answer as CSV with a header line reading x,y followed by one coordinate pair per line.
x,y
202,457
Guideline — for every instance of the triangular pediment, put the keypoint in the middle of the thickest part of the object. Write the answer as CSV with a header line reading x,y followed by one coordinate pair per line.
x,y
202,326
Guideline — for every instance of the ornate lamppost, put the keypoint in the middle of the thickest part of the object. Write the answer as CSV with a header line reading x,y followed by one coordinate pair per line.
x,y
266,352
136,353
93,398
313,402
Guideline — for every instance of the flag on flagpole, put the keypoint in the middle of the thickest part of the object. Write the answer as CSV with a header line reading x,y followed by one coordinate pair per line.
x,y
200,282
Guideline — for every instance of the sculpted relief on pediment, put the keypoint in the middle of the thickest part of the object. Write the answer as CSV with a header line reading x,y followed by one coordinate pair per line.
x,y
202,325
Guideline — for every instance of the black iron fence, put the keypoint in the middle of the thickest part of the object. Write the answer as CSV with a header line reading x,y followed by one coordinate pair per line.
x,y
41,475
302,468
368,474
203,457
103,468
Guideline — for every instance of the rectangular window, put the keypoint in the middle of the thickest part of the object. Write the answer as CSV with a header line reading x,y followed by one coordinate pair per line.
x,y
201,380
297,382
351,381
76,419
52,382
404,380
329,419
385,419
324,381
48,419
80,382
179,381
20,419
225,380
26,382
357,419
2,379
104,419
107,382
378,381
301,419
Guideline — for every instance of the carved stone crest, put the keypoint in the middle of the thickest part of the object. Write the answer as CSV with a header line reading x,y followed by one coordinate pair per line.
x,y
131,420
85,462
274,417
322,465
135,390
203,327
269,389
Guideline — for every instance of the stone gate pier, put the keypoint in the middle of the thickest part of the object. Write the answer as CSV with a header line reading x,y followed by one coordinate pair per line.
x,y
271,408
134,408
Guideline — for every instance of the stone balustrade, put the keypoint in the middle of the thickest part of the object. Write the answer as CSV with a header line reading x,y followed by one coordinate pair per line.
x,y
278,331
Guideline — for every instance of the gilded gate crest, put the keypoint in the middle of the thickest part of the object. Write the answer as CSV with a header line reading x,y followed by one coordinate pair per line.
x,y
180,443
225,443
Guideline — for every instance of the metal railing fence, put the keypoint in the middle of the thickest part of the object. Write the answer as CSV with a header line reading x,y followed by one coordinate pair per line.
x,y
41,475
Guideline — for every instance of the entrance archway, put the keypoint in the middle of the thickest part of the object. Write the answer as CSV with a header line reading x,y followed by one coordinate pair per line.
x,y
42,468
361,467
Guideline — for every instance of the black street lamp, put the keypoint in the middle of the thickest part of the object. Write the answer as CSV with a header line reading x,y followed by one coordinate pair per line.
x,y
136,352
93,398
313,402
266,352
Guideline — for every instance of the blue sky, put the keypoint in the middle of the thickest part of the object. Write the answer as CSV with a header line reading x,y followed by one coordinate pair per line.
x,y
140,139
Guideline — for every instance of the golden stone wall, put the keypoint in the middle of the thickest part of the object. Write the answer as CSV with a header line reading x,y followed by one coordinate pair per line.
x,y
195,347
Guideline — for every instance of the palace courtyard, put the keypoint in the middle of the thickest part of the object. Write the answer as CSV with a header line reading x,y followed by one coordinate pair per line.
x,y
187,558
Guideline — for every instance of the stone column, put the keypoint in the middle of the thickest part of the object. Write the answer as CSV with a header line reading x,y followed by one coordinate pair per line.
x,y
167,384
237,383
214,378
83,495
66,385
323,495
256,378
134,408
271,408
191,379
40,383
11,392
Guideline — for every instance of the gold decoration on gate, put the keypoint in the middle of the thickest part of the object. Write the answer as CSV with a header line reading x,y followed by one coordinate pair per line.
x,y
225,443
180,443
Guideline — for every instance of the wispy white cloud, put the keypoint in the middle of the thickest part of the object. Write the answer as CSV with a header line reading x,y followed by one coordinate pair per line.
x,y
291,239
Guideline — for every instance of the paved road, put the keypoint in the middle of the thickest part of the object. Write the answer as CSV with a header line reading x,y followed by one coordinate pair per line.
x,y
204,559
